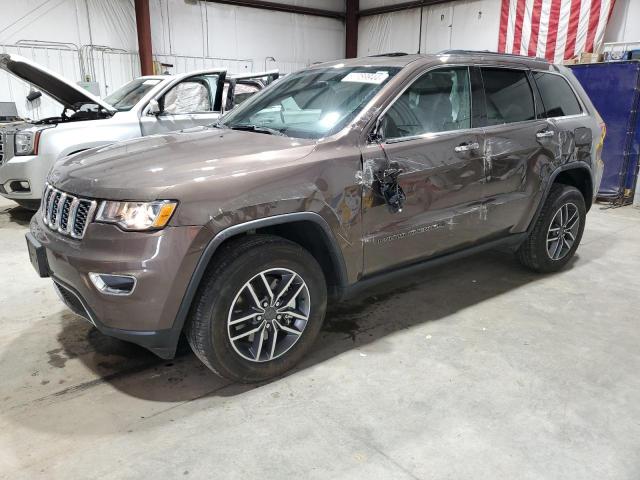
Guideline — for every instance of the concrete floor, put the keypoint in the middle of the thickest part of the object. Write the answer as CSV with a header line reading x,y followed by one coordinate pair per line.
x,y
477,370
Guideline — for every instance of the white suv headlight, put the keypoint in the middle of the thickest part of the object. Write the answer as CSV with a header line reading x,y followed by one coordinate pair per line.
x,y
137,215
26,142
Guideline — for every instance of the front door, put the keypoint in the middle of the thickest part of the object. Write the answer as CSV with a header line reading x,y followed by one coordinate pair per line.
x,y
192,102
427,134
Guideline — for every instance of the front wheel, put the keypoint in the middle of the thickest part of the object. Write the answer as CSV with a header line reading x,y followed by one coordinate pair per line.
x,y
259,308
557,232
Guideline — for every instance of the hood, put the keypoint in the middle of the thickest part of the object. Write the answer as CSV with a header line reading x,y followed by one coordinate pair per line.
x,y
67,93
147,168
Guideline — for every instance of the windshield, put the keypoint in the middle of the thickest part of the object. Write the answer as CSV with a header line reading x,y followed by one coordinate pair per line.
x,y
312,103
130,93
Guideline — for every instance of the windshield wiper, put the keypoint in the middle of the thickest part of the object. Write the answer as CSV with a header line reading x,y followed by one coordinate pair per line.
x,y
256,128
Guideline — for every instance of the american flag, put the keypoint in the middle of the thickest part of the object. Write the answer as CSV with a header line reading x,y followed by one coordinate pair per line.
x,y
553,29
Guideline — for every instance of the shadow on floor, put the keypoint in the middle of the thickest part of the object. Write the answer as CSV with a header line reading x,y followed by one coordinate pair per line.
x,y
17,214
431,296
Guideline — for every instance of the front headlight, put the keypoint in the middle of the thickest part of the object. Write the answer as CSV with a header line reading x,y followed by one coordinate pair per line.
x,y
137,215
26,142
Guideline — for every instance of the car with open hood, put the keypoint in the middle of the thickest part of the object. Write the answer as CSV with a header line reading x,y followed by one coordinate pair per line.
x,y
145,106
334,178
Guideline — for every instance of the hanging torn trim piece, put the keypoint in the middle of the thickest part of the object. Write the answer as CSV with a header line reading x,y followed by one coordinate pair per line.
x,y
389,189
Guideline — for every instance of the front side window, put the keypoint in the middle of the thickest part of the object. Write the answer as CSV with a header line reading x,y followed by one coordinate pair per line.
x,y
557,96
193,95
312,103
124,98
508,95
438,101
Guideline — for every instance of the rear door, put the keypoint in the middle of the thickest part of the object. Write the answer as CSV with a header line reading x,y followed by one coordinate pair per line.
x,y
429,135
565,115
520,145
194,101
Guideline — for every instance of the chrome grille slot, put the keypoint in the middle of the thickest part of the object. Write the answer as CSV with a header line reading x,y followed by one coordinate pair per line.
x,y
53,217
2,137
82,213
66,213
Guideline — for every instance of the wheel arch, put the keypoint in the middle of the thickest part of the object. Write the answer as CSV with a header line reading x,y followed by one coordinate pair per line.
x,y
580,178
308,229
576,174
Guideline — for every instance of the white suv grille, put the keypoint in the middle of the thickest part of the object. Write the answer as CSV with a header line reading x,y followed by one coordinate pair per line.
x,y
66,213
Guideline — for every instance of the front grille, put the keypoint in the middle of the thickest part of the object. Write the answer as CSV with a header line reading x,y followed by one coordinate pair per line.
x,y
66,213
2,137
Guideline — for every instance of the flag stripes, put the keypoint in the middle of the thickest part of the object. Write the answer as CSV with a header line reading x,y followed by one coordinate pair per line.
x,y
553,29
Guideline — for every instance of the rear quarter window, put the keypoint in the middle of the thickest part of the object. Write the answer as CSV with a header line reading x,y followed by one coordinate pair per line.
x,y
558,97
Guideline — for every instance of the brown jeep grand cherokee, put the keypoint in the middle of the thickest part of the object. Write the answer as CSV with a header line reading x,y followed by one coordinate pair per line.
x,y
331,179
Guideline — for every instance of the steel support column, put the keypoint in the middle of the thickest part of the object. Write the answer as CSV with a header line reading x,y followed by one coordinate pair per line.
x,y
351,27
143,25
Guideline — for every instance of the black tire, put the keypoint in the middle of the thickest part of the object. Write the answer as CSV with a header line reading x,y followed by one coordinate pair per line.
x,y
234,265
533,252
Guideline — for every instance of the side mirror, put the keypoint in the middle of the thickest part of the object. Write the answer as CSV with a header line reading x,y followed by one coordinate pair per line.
x,y
154,108
376,135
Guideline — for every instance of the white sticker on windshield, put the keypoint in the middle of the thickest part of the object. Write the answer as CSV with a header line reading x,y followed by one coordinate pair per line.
x,y
375,78
150,82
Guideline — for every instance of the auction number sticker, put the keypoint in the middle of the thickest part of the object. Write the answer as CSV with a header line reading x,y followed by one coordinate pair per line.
x,y
375,78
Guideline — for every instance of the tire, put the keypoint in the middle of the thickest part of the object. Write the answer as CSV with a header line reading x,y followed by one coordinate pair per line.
x,y
224,297
533,253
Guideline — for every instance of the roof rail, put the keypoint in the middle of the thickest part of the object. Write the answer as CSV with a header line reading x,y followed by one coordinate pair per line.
x,y
487,52
390,54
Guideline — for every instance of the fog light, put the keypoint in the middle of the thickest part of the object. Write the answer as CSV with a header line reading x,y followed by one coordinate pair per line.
x,y
113,284
19,186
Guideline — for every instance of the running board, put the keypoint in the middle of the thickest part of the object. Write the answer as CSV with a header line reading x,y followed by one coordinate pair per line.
x,y
366,283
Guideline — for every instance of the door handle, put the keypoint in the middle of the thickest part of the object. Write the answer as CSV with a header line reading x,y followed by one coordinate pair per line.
x,y
545,134
467,147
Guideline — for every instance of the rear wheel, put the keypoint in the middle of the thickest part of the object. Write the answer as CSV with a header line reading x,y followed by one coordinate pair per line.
x,y
557,232
259,309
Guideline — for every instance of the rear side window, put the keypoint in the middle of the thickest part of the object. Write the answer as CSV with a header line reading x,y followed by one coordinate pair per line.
x,y
508,95
557,96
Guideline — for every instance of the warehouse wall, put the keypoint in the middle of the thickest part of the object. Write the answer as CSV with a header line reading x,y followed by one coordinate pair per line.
x,y
182,27
471,24
457,24
624,25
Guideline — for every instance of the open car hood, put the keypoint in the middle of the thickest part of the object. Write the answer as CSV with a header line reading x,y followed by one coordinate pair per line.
x,y
67,93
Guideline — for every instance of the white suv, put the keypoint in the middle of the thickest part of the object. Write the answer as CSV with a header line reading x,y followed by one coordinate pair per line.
x,y
145,106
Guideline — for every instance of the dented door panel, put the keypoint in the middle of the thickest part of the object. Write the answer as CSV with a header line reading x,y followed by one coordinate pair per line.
x,y
518,157
443,207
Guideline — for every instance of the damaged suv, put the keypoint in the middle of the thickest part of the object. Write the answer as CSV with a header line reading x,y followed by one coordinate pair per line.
x,y
145,106
336,177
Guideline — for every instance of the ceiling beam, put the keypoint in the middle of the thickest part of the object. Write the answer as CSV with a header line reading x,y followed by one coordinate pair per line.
x,y
398,7
282,7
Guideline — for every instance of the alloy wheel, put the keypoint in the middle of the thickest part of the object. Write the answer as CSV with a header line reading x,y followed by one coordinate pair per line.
x,y
268,314
563,231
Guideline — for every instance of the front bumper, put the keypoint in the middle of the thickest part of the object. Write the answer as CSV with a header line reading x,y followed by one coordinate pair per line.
x,y
162,263
31,169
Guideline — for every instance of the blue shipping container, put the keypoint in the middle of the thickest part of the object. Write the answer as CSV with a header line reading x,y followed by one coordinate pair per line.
x,y
614,89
